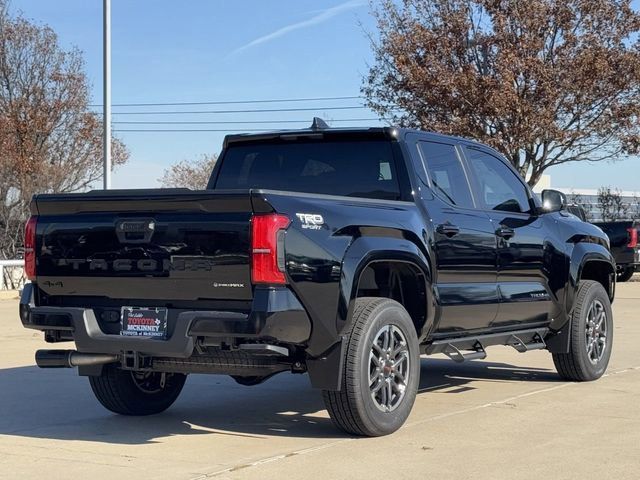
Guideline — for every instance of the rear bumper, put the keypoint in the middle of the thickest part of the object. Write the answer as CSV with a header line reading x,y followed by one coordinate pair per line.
x,y
627,258
276,316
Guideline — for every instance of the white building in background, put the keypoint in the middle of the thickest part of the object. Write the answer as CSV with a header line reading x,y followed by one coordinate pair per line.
x,y
588,198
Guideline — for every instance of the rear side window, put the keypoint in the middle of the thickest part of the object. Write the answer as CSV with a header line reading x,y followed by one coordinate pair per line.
x,y
447,176
499,187
348,168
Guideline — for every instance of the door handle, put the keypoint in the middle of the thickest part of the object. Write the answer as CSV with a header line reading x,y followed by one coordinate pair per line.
x,y
505,232
448,229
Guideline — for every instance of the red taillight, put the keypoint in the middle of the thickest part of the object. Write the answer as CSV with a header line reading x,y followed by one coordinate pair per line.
x,y
30,248
633,237
267,259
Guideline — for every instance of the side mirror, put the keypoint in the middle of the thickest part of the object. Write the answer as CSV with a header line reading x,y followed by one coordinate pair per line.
x,y
553,201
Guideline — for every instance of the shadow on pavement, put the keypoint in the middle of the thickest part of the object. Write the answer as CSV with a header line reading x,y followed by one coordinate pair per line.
x,y
57,404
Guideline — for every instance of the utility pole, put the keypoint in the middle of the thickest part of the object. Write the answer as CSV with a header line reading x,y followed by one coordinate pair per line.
x,y
106,90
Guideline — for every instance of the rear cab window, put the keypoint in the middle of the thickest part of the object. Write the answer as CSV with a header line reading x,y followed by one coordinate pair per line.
x,y
355,168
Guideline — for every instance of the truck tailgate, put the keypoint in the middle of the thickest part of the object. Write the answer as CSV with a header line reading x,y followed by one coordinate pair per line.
x,y
144,244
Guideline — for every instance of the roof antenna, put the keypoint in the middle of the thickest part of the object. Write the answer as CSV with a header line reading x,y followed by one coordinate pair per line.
x,y
319,124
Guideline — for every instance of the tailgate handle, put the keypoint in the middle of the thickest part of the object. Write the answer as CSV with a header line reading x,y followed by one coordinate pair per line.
x,y
135,230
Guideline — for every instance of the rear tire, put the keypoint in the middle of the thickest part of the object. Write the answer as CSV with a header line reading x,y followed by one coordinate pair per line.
x,y
381,370
626,274
136,393
591,335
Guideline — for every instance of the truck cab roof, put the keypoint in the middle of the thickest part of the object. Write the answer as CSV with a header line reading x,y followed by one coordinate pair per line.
x,y
390,132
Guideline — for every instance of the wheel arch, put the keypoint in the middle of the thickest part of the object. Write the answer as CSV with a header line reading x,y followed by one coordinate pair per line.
x,y
402,260
325,364
589,261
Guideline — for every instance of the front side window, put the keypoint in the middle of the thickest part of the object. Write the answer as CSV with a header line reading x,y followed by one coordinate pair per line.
x,y
498,186
447,176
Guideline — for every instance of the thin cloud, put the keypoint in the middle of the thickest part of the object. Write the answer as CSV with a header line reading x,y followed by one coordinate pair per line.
x,y
323,16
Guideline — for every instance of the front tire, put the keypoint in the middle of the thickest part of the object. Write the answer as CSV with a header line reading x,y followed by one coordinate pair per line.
x,y
136,393
381,370
591,335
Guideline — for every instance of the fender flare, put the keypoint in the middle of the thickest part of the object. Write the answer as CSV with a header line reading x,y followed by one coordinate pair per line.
x,y
325,367
368,250
582,254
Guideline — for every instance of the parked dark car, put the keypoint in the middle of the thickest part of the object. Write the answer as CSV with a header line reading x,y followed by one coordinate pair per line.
x,y
345,254
623,238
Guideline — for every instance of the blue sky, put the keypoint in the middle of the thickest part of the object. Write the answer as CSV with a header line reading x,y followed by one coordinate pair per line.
x,y
203,50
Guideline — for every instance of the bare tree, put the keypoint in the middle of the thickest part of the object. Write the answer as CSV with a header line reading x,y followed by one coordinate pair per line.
x,y
50,141
545,82
611,204
577,199
190,174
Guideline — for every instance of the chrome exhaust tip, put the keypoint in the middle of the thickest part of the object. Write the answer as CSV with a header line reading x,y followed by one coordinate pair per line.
x,y
72,358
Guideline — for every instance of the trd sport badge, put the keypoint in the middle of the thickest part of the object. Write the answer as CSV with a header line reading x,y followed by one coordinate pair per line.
x,y
311,221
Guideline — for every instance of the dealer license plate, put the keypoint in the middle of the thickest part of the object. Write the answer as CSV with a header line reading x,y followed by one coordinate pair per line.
x,y
144,322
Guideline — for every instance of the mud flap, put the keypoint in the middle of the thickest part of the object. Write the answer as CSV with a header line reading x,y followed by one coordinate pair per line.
x,y
325,371
559,341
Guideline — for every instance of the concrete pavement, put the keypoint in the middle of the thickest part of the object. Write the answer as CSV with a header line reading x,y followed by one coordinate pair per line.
x,y
507,417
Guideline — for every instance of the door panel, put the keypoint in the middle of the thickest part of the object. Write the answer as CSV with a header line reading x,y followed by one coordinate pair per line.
x,y
522,251
527,302
465,270
466,307
463,241
522,272
468,256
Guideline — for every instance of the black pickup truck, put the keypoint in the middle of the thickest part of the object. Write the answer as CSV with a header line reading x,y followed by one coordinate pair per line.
x,y
623,240
344,254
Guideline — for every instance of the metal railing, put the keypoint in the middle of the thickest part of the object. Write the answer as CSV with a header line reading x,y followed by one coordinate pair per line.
x,y
11,274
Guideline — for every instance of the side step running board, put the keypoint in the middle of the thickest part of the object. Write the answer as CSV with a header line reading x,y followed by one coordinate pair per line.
x,y
473,348
458,356
536,343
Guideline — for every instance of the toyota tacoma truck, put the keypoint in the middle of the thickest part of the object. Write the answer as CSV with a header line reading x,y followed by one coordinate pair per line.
x,y
345,254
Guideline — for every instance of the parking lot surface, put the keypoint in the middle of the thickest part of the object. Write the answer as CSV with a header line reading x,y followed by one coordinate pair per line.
x,y
509,416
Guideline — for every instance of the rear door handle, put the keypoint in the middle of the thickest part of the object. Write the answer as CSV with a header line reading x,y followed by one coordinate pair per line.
x,y
505,232
448,229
